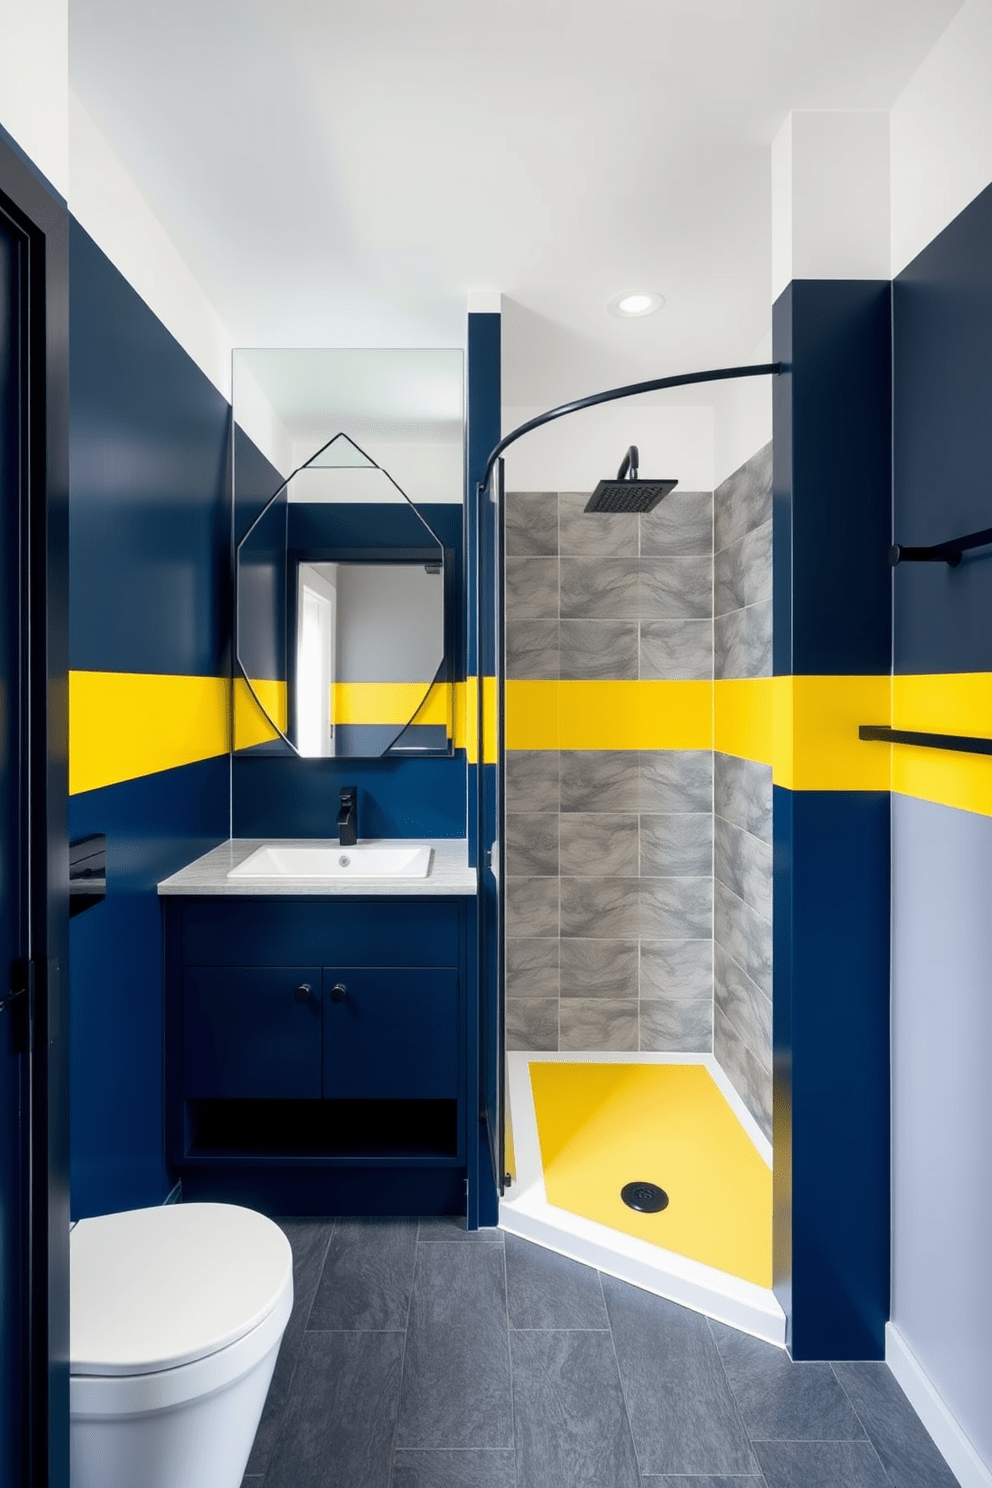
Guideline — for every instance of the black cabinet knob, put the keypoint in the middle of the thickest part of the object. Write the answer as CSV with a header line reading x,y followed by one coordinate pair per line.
x,y
302,992
339,992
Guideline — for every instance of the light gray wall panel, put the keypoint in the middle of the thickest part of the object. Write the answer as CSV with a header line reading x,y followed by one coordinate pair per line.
x,y
942,1101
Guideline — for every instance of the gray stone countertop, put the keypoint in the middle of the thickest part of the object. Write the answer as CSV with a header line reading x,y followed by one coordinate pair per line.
x,y
449,872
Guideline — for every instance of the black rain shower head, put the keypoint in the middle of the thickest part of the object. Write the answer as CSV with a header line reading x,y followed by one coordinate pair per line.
x,y
627,493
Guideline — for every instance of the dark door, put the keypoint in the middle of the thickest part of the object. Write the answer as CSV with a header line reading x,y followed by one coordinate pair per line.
x,y
34,1212
13,877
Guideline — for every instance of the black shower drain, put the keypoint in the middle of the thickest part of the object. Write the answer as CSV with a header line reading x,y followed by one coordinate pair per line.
x,y
646,1198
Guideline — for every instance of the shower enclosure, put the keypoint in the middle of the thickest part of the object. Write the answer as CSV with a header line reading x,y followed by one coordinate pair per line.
x,y
638,858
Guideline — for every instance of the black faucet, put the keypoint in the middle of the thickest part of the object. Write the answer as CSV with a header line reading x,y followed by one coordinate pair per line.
x,y
348,816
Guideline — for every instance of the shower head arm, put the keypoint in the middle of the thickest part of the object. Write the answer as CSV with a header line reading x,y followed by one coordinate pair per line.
x,y
630,462
720,374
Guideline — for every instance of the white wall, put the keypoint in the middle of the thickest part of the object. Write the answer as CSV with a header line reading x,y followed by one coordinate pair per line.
x,y
942,1103
742,416
34,83
941,134
105,200
574,452
830,196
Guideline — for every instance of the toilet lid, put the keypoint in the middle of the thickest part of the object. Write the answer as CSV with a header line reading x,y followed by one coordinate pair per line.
x,y
151,1289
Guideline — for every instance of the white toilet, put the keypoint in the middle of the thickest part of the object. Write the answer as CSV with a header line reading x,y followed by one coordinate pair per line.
x,y
176,1317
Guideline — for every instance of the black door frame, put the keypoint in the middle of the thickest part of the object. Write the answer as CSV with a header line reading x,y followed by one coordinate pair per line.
x,y
40,220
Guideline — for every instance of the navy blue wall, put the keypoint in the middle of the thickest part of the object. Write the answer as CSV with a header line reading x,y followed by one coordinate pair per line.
x,y
831,598
942,455
149,593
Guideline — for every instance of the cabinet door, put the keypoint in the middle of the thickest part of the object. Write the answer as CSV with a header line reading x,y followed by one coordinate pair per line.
x,y
252,1031
390,1033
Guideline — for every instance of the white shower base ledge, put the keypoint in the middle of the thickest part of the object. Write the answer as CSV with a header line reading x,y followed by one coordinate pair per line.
x,y
524,1210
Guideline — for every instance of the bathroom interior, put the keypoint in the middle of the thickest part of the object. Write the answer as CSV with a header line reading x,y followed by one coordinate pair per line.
x,y
673,962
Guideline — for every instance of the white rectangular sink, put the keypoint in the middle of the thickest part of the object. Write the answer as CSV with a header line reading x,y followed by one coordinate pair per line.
x,y
364,860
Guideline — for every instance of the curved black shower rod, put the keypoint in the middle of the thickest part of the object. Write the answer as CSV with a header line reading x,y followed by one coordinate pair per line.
x,y
720,374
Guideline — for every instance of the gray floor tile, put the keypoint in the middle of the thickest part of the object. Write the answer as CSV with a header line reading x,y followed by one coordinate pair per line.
x,y
367,1275
568,1408
448,1227
457,1469
354,1380
821,1465
547,1290
456,1373
309,1239
780,1400
653,1481
895,1430
682,1412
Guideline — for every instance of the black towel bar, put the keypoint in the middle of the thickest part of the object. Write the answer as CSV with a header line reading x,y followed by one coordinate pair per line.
x,y
881,733
948,552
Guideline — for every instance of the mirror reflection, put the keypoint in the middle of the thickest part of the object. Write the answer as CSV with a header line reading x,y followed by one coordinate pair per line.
x,y
344,593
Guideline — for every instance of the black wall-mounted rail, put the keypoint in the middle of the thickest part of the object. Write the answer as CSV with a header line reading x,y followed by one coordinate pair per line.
x,y
881,733
656,384
948,552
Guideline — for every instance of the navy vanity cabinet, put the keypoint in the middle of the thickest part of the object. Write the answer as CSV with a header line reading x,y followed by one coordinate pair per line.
x,y
317,1052
252,1032
390,1033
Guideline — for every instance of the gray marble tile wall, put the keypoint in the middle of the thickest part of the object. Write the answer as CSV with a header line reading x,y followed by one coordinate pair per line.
x,y
742,570
742,930
742,820
609,889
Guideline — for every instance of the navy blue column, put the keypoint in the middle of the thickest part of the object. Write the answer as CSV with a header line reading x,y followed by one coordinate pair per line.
x,y
484,431
832,525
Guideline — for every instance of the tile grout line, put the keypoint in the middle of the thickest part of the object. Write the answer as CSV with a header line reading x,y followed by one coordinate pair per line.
x,y
733,1395
292,1377
863,1424
405,1331
623,1388
509,1359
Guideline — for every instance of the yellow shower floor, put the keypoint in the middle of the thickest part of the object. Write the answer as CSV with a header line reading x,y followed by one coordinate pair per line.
x,y
601,1126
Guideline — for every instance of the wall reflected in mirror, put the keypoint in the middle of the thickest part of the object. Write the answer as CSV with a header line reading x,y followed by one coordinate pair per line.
x,y
345,624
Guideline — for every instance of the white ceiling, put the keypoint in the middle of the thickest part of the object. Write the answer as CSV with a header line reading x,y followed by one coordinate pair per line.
x,y
343,174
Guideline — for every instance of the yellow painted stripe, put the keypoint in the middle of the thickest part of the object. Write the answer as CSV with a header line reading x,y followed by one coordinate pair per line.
x,y
490,722
816,744
393,703
531,715
467,718
609,715
954,703
743,717
123,725
251,724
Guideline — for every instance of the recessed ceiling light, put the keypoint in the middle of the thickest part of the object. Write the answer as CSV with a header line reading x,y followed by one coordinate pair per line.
x,y
634,302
